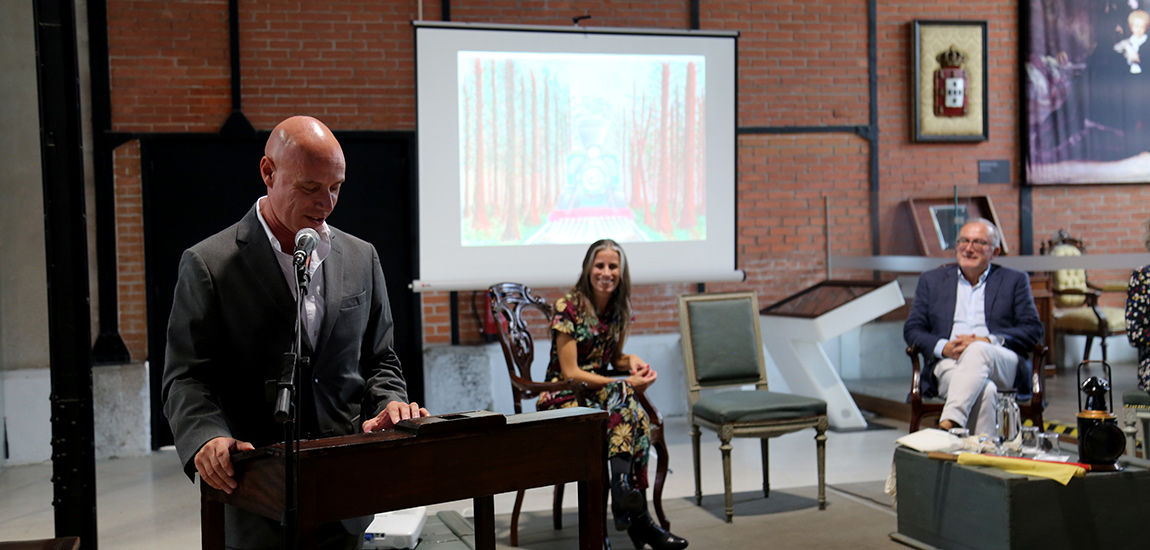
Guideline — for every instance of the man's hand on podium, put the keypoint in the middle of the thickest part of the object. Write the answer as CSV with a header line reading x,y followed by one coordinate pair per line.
x,y
393,414
214,462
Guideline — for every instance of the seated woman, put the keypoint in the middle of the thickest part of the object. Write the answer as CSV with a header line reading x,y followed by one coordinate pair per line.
x,y
1138,316
587,335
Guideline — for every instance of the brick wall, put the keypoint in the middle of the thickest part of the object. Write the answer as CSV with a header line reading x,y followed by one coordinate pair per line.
x,y
130,250
800,63
168,65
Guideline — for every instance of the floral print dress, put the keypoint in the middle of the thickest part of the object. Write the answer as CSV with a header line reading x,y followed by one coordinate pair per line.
x,y
596,340
1138,322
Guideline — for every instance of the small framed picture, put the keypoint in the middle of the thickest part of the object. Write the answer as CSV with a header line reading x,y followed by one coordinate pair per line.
x,y
947,221
949,80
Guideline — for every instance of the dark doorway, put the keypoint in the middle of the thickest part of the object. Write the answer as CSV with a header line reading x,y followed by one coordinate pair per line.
x,y
195,186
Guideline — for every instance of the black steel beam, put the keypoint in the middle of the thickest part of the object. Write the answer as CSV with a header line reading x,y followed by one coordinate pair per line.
x,y
109,348
872,130
237,124
66,247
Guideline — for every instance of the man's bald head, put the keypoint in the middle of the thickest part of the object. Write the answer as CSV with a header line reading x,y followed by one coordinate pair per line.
x,y
301,135
303,168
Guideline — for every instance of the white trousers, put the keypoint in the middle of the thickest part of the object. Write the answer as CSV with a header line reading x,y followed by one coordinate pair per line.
x,y
971,383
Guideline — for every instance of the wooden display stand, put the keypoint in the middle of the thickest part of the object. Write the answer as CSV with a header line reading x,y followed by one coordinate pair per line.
x,y
932,215
438,459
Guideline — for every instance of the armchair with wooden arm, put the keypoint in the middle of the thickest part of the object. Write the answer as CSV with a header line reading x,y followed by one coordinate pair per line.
x,y
509,302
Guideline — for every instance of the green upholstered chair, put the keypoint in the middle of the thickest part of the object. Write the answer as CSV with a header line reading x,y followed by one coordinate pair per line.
x,y
1076,309
722,349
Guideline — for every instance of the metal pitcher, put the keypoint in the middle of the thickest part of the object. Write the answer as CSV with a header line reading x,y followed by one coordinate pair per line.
x,y
1007,417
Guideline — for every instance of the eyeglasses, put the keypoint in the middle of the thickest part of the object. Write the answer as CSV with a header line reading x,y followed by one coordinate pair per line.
x,y
963,241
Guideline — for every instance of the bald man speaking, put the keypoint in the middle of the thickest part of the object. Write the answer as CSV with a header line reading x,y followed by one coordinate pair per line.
x,y
234,315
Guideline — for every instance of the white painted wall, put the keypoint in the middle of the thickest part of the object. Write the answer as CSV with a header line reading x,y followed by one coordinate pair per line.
x,y
27,412
120,408
23,283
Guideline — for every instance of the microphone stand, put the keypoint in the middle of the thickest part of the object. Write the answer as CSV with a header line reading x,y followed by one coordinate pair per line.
x,y
287,406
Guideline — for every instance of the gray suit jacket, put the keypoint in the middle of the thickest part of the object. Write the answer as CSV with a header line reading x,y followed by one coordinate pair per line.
x,y
232,320
1010,313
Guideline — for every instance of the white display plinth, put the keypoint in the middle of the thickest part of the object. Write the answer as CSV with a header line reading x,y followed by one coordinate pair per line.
x,y
794,344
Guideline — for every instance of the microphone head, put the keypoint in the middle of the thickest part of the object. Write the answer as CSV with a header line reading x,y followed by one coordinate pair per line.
x,y
306,240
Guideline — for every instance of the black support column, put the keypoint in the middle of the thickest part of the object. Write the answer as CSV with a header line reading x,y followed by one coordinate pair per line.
x,y
65,228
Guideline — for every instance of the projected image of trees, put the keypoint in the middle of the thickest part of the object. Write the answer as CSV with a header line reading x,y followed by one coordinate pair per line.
x,y
567,148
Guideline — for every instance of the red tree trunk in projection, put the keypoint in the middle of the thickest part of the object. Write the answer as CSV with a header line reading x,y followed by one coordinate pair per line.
x,y
687,216
664,182
640,119
643,164
497,178
467,159
675,189
479,207
536,155
548,146
510,215
701,108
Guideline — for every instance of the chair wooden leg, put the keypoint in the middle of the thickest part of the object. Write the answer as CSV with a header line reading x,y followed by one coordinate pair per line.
x,y
661,465
695,456
765,443
725,434
821,449
1130,431
557,507
515,518
1145,424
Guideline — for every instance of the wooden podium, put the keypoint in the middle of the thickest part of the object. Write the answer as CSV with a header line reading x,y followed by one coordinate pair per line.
x,y
438,459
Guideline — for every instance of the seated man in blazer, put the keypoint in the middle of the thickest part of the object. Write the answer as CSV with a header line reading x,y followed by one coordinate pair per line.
x,y
234,316
975,323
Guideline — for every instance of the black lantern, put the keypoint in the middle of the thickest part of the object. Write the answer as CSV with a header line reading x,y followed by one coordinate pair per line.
x,y
1100,440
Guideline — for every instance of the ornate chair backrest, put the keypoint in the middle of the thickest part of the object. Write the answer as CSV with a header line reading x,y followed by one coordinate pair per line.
x,y
1066,279
509,301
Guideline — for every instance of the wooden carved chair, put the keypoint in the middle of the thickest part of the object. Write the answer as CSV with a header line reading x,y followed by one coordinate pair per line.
x,y
509,302
1076,309
722,349
931,405
62,543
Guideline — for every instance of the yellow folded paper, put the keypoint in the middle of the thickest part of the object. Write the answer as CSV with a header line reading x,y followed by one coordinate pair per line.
x,y
1058,472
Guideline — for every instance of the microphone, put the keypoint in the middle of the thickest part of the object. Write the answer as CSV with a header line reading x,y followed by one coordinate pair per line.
x,y
305,242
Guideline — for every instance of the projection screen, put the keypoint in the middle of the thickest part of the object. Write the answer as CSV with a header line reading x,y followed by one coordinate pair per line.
x,y
536,141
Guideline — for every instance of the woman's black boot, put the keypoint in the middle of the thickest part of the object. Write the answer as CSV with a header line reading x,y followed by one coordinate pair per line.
x,y
644,531
625,500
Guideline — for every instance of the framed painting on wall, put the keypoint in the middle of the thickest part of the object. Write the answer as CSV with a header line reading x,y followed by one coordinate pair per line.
x,y
1086,91
950,81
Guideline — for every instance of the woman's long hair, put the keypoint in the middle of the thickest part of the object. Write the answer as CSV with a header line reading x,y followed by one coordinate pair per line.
x,y
619,305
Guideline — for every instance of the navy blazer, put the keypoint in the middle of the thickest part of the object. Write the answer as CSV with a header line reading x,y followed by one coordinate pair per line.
x,y
1010,313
